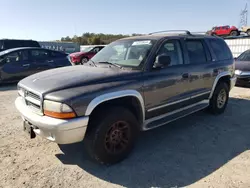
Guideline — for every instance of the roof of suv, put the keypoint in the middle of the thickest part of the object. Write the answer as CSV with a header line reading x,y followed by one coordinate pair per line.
x,y
23,48
160,36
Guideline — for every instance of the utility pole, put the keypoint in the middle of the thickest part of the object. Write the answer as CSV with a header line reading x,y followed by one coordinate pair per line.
x,y
244,16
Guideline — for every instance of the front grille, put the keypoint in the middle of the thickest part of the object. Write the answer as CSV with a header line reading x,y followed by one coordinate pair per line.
x,y
33,95
32,100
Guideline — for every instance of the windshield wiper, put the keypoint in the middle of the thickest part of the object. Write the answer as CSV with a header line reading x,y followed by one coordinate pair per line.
x,y
93,62
106,62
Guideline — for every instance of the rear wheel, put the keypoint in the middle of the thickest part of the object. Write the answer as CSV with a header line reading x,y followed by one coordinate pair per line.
x,y
112,135
248,32
219,100
234,33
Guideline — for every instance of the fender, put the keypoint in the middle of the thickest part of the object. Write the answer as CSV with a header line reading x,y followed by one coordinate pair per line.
x,y
115,95
222,74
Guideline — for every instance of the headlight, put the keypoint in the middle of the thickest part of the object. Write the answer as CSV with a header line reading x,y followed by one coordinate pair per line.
x,y
20,91
238,72
58,110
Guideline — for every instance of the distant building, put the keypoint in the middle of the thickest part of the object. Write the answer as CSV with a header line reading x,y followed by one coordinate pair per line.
x,y
67,47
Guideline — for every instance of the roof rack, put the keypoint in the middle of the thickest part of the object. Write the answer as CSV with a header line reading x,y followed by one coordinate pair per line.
x,y
172,31
200,32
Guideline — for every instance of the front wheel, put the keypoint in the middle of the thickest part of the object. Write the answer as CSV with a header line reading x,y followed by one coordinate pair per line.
x,y
112,135
219,100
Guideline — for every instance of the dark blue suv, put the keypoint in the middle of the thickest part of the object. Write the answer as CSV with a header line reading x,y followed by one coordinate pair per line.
x,y
19,63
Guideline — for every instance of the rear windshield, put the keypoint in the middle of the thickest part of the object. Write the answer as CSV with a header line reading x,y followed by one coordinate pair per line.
x,y
8,44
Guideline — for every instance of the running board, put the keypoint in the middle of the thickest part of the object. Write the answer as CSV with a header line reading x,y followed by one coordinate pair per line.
x,y
172,116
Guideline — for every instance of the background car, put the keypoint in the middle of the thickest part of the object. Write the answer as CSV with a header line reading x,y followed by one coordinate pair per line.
x,y
6,44
246,29
225,31
242,68
18,63
85,55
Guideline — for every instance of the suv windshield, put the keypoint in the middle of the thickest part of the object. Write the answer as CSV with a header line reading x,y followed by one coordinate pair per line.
x,y
127,53
87,49
245,56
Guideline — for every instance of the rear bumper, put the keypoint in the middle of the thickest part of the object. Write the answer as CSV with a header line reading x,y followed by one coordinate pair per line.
x,y
56,130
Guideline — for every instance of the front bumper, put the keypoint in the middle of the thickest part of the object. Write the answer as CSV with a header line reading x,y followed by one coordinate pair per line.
x,y
57,130
243,77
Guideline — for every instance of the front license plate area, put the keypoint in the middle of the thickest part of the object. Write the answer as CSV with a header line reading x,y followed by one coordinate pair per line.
x,y
29,129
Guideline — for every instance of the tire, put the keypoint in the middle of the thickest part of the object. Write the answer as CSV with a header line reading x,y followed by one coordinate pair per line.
x,y
84,60
234,33
217,105
248,32
102,140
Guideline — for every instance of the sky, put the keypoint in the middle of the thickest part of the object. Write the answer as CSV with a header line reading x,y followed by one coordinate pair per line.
x,y
46,20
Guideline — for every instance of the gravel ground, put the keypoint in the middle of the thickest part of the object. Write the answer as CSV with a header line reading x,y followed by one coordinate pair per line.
x,y
200,150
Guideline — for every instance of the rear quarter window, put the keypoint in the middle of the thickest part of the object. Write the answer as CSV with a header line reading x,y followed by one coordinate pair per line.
x,y
220,49
196,51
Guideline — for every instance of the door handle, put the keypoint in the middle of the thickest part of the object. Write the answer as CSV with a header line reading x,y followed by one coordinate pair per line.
x,y
50,61
185,75
26,65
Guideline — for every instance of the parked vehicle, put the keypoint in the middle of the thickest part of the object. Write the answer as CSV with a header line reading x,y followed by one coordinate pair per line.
x,y
79,58
18,63
6,44
133,84
242,68
225,31
246,29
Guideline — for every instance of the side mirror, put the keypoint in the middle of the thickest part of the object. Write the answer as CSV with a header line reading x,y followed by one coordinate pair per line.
x,y
162,61
2,61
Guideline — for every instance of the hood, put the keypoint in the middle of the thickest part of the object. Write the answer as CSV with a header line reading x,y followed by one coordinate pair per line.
x,y
69,77
242,65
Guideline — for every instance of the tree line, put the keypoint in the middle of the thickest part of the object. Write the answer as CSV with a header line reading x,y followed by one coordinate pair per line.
x,y
95,38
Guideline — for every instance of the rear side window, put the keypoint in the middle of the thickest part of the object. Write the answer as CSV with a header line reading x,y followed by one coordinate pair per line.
x,y
196,51
39,54
220,48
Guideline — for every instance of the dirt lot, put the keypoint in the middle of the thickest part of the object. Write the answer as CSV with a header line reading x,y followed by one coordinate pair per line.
x,y
197,151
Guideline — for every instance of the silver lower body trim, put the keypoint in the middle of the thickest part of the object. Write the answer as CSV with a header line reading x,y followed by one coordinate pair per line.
x,y
179,101
205,102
